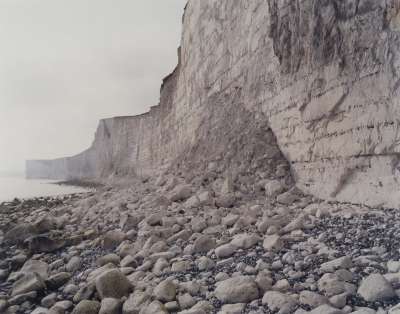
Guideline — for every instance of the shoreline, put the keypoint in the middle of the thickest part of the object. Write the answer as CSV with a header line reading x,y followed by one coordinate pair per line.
x,y
81,184
61,197
24,191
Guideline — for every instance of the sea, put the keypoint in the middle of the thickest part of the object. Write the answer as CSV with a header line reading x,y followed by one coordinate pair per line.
x,y
19,187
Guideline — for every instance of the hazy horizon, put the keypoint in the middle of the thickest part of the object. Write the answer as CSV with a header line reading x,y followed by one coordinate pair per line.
x,y
67,64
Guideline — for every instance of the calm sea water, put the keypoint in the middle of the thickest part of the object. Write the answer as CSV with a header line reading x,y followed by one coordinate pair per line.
x,y
11,187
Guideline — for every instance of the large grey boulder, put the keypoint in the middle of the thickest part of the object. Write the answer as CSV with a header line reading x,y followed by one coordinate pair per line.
x,y
165,291
109,259
20,233
49,300
203,198
344,262
22,298
312,299
376,288
113,284
245,241
134,302
85,293
62,307
331,285
36,266
273,243
45,224
395,310
225,250
264,281
74,264
27,283
110,306
241,289
98,271
57,280
280,302
203,244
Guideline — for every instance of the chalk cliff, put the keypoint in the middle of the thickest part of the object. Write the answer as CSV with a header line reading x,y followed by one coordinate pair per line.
x,y
261,85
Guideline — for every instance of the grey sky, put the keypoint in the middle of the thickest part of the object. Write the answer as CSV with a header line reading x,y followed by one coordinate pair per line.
x,y
65,64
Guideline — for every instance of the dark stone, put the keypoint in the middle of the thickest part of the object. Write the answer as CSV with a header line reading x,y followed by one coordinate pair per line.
x,y
43,244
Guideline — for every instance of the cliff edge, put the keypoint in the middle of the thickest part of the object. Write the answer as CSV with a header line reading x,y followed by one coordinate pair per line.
x,y
264,87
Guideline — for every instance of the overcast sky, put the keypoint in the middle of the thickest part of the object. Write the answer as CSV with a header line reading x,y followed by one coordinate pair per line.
x,y
65,64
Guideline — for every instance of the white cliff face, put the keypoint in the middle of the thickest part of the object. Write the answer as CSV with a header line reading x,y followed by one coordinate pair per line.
x,y
336,109
322,75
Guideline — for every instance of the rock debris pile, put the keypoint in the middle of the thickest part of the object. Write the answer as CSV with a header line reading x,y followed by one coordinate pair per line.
x,y
166,246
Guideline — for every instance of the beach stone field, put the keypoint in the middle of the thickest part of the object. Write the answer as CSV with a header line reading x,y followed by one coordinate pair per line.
x,y
240,192
166,246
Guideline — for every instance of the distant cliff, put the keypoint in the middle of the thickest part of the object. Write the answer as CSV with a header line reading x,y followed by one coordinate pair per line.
x,y
314,82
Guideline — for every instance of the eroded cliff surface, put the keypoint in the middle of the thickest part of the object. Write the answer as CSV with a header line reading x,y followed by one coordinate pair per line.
x,y
312,82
